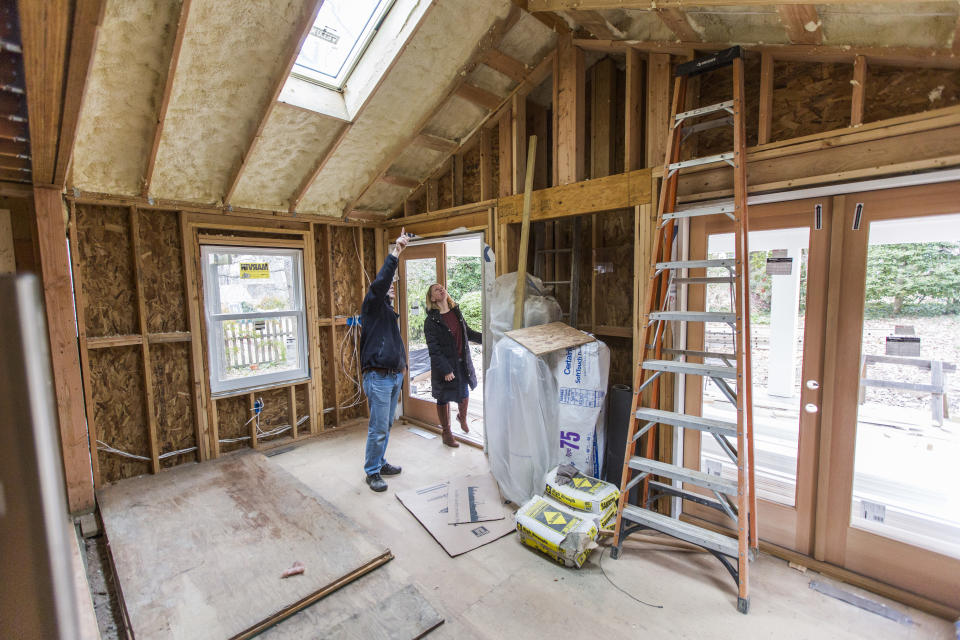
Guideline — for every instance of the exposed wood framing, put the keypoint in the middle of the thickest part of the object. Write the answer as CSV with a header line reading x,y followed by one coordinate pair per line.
x,y
486,163
321,163
801,22
433,194
64,356
456,177
489,41
507,65
765,119
676,20
859,91
634,109
890,56
602,112
568,113
595,23
400,181
658,107
436,143
518,124
505,153
618,191
291,53
207,446
45,33
486,99
87,19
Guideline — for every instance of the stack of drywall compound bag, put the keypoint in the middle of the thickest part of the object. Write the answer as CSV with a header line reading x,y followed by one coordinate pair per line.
x,y
565,521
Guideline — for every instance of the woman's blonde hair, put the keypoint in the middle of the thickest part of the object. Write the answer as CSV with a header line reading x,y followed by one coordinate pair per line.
x,y
430,304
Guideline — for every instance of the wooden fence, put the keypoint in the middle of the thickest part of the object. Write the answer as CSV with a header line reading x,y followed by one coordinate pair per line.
x,y
256,342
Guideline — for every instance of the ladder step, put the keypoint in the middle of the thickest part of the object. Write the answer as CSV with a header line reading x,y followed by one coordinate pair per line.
x,y
700,354
702,111
689,130
695,316
696,162
719,427
693,212
726,263
682,530
699,498
709,280
691,368
699,478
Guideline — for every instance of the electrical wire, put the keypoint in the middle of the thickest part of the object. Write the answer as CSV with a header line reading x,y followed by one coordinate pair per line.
x,y
103,446
266,434
349,352
363,268
623,591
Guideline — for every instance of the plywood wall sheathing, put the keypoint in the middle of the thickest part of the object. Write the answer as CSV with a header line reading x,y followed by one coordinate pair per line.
x,y
173,403
105,257
119,410
809,97
162,271
232,416
893,92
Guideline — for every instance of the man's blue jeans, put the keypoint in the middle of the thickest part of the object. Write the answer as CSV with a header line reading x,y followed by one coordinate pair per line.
x,y
383,392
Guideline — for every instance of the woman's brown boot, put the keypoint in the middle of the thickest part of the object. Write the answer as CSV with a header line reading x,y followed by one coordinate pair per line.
x,y
443,412
462,414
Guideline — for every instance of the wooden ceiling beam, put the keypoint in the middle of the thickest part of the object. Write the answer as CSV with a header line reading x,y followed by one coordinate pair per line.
x,y
16,131
13,162
14,175
14,149
507,65
368,215
291,53
801,22
478,96
891,56
595,23
165,99
436,143
676,20
549,20
399,181
45,33
490,40
321,163
87,19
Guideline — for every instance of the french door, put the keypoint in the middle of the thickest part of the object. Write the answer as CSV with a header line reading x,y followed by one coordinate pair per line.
x,y
420,266
855,324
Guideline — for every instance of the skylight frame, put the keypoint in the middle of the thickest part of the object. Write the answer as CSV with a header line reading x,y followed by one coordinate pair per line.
x,y
370,30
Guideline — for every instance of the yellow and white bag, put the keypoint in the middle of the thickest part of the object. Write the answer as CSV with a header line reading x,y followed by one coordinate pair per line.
x,y
582,492
558,532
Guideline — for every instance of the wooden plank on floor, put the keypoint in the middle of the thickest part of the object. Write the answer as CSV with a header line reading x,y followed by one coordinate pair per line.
x,y
199,550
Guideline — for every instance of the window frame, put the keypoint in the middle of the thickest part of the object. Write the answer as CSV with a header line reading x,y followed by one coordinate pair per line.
x,y
219,384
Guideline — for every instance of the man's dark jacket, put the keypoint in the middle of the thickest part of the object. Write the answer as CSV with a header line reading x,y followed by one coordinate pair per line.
x,y
380,342
443,351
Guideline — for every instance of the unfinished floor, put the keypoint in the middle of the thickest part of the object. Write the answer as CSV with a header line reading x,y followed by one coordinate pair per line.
x,y
504,590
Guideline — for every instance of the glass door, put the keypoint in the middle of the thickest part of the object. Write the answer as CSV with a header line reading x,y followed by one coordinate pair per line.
x,y
420,266
892,478
788,261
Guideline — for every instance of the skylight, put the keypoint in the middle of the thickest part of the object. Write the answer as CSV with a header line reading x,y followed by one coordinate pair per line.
x,y
338,38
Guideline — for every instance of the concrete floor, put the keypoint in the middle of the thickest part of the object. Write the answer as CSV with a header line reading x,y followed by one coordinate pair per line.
x,y
506,590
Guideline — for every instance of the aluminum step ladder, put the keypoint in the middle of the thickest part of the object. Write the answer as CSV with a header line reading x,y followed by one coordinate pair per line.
x,y
730,372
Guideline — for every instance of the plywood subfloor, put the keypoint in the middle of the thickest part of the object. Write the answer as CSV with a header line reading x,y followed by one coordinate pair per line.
x,y
199,551
504,590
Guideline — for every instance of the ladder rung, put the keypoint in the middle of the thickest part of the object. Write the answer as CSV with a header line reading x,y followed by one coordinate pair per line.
x,y
691,368
699,478
702,111
696,162
693,212
708,280
720,427
682,530
700,354
695,316
699,498
726,263
689,130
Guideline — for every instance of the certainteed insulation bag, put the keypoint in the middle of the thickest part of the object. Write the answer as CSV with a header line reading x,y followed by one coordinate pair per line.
x,y
558,532
581,492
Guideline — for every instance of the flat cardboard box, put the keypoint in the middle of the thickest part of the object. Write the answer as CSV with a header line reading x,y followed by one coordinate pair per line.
x,y
474,499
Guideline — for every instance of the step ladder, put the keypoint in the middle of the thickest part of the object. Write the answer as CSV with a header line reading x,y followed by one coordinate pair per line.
x,y
729,371
540,266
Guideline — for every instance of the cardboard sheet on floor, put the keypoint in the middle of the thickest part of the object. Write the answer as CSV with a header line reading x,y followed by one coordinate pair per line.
x,y
198,550
429,506
474,499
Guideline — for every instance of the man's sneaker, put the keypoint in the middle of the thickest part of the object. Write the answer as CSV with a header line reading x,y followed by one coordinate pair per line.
x,y
376,482
389,470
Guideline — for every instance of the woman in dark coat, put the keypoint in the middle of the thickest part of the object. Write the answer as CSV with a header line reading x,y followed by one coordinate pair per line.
x,y
451,368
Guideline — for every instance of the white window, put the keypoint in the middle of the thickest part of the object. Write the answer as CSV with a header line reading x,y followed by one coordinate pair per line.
x,y
338,38
256,325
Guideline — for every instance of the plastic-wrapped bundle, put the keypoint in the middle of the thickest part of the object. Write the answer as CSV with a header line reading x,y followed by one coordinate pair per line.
x,y
538,307
521,419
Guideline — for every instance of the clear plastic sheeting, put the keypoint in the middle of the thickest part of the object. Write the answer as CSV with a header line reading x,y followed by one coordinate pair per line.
x,y
538,307
521,414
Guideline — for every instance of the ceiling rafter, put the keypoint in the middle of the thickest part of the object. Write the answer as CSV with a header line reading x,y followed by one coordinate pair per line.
x,y
507,65
435,143
489,41
486,99
399,181
802,23
595,23
165,99
550,21
676,20
293,50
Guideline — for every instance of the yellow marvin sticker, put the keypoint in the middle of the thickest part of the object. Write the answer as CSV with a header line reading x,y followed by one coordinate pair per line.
x,y
254,270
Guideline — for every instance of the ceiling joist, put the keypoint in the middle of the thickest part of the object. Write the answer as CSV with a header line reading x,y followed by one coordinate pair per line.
x,y
292,51
165,99
676,20
596,24
801,22
507,65
478,96
435,143
400,181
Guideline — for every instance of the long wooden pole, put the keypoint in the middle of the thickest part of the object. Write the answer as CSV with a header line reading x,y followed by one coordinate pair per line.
x,y
524,236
